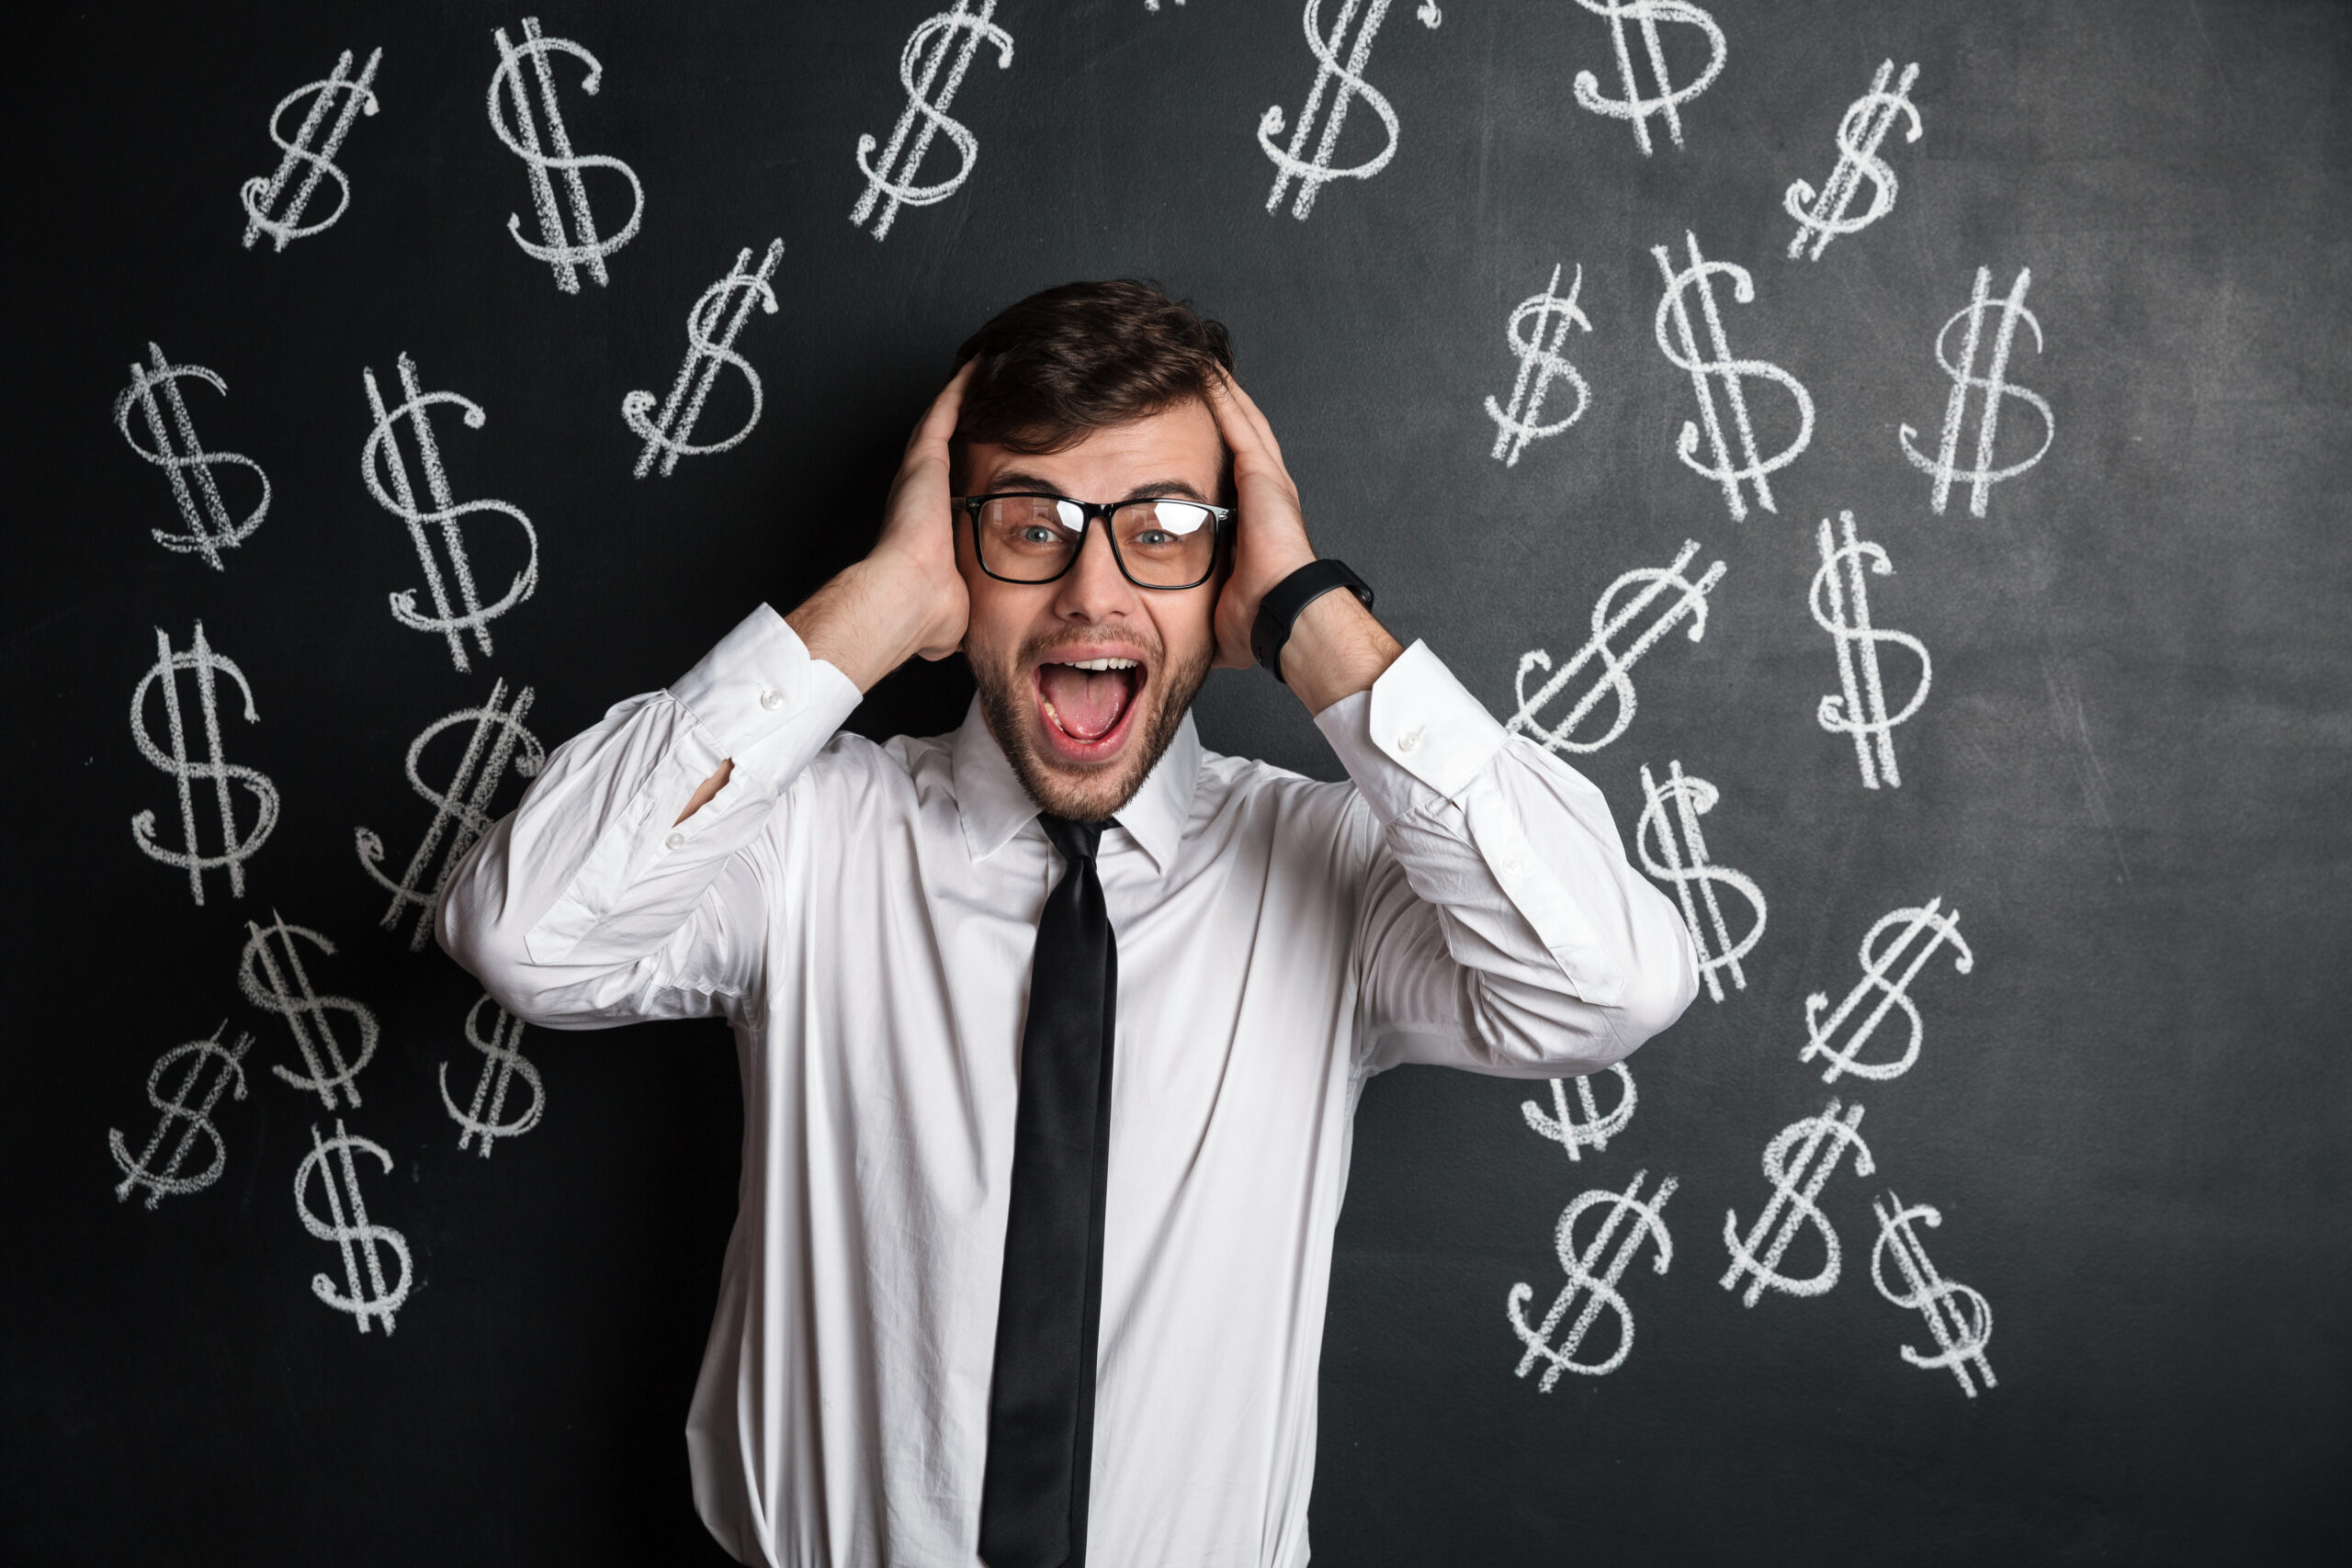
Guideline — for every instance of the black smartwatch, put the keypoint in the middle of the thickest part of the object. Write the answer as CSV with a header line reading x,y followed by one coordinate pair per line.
x,y
1279,609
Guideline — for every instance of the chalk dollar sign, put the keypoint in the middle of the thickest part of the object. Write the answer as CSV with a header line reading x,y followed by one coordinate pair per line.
x,y
347,97
711,328
1539,366
565,250
485,1115
1560,1124
1670,821
1994,383
366,1293
1841,606
1901,928
276,980
385,469
1314,172
497,741
1717,365
204,1059
959,33
1594,1280
1636,105
1639,588
1805,1152
1821,217
237,845
177,451
1960,1319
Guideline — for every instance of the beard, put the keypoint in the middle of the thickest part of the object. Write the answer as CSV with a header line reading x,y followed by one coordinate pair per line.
x,y
1096,793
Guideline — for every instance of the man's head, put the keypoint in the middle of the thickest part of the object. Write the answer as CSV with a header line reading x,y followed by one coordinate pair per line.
x,y
1092,392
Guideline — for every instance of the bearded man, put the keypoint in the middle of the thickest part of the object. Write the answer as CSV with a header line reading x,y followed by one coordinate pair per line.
x,y
1051,1029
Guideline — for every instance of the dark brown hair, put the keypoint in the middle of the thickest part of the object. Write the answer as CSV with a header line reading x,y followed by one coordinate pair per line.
x,y
1071,359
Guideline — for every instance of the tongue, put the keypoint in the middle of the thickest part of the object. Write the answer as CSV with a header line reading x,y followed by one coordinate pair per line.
x,y
1088,702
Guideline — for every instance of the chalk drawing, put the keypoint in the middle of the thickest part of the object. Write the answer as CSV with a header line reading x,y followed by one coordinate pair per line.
x,y
382,464
1560,1124
1637,107
1995,385
712,329
495,742
276,980
1539,366
1640,588
1705,371
1841,606
212,768
484,1116
208,1058
1599,1289
565,249
1670,820
363,1244
348,97
1314,172
1901,927
1821,217
177,451
1807,1152
1960,1317
1429,15
958,32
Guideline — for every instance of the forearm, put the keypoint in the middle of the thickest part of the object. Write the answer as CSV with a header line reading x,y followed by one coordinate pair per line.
x,y
869,620
864,622
1336,649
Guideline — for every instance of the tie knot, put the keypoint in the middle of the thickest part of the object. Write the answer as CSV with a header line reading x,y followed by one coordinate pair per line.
x,y
1076,841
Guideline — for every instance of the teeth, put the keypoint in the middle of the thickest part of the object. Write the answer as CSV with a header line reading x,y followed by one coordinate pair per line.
x,y
1100,663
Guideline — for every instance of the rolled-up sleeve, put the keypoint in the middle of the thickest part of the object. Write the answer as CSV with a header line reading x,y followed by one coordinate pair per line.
x,y
1501,927
591,904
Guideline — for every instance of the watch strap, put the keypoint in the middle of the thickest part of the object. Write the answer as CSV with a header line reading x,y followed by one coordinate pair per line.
x,y
1279,610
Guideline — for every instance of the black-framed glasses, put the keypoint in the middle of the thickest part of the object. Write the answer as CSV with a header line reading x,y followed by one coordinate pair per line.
x,y
1163,542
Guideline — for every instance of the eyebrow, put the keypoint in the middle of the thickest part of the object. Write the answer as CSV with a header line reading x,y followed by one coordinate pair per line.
x,y
1015,481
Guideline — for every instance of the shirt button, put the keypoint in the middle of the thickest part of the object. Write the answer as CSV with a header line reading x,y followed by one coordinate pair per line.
x,y
675,841
1507,864
771,699
1410,740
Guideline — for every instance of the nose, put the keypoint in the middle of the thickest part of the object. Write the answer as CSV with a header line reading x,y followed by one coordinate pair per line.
x,y
1094,589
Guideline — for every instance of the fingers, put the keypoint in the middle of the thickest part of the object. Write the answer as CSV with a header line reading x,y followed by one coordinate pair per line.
x,y
1233,422
938,423
1242,411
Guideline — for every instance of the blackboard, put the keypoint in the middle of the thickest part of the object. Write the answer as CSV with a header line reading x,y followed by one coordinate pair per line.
x,y
2130,1110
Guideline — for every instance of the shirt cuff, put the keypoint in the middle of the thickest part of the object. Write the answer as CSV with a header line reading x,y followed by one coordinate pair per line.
x,y
759,680
1417,731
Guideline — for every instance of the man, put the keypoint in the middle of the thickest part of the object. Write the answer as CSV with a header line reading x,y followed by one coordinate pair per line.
x,y
1051,1028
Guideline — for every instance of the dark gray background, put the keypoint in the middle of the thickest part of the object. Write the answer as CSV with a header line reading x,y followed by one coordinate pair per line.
x,y
2133,1114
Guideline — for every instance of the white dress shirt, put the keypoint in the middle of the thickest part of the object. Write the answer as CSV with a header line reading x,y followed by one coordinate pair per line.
x,y
864,917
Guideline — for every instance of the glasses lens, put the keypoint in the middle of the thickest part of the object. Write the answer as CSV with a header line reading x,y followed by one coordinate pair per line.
x,y
1029,539
1165,544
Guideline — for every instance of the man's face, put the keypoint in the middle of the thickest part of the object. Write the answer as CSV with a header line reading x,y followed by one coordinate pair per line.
x,y
1082,739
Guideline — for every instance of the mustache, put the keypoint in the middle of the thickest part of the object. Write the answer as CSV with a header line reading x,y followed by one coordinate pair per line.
x,y
1155,651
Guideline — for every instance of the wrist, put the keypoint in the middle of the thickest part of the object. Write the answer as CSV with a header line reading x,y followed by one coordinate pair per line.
x,y
874,617
1337,648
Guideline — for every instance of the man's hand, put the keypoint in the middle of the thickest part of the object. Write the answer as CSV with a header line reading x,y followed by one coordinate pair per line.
x,y
1336,648
1270,534
906,597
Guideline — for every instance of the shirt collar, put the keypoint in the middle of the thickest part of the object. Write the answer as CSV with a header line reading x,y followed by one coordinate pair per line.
x,y
993,805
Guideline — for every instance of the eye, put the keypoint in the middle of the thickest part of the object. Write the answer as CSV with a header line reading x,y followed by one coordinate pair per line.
x,y
1039,534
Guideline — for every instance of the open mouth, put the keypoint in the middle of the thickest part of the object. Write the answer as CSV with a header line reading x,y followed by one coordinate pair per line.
x,y
1087,703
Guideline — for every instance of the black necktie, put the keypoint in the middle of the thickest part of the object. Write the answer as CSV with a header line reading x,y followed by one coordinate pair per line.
x,y
1041,1405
